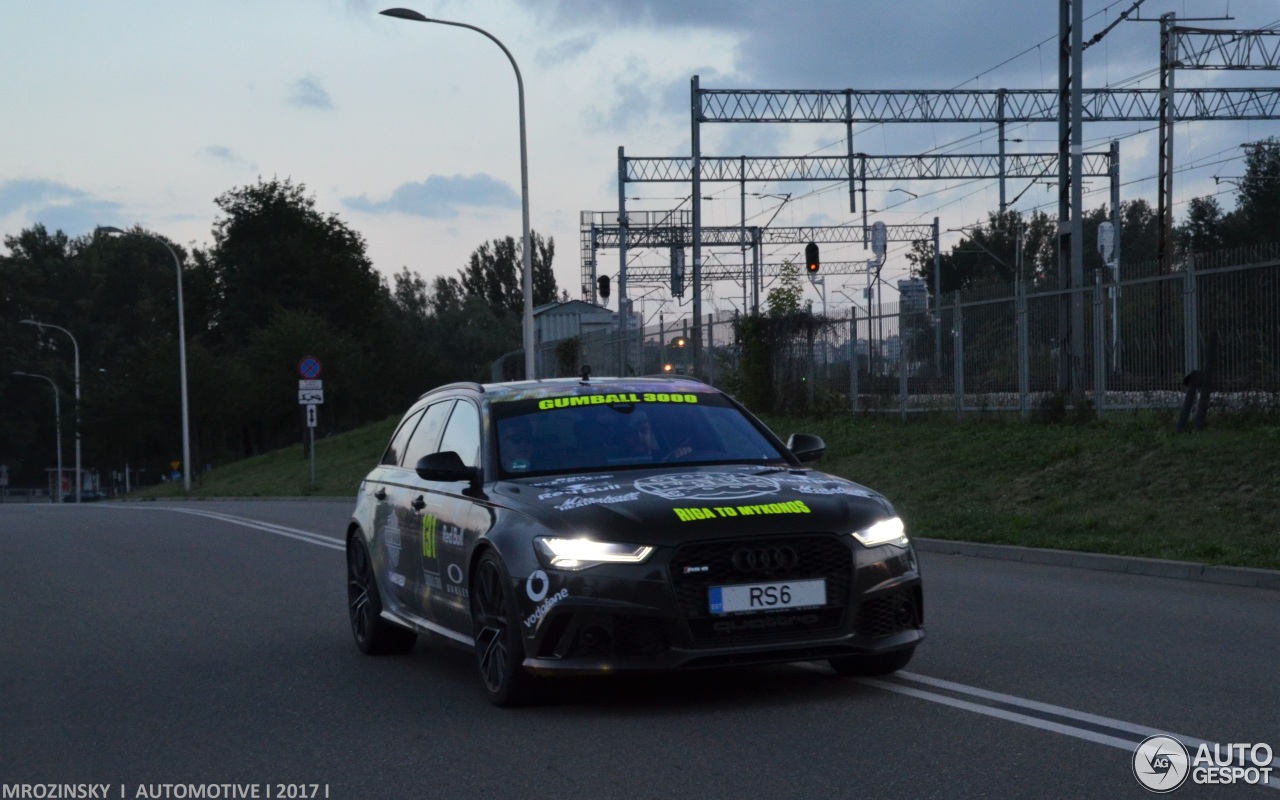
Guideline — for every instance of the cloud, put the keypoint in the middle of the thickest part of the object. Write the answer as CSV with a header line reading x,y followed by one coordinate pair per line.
x,y
226,155
637,99
440,197
834,44
632,107
564,51
308,93
56,205
21,194
652,13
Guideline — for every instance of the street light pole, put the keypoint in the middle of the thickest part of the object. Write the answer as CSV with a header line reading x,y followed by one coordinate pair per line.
x,y
76,348
57,424
182,354
530,369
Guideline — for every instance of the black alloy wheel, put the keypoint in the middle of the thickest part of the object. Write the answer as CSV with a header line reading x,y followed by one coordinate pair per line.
x,y
880,664
499,651
374,635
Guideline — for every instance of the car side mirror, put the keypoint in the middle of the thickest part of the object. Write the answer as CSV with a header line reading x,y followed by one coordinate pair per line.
x,y
446,466
806,446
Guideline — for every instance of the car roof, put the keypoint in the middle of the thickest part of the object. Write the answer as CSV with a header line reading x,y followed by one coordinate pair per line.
x,y
557,387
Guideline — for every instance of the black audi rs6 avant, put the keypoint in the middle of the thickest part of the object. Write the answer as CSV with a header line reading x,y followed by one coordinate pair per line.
x,y
600,525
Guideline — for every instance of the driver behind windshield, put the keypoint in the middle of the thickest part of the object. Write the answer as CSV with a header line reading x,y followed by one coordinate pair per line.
x,y
641,440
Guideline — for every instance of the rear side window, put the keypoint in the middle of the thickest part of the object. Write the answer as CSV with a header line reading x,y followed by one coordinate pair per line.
x,y
396,449
423,441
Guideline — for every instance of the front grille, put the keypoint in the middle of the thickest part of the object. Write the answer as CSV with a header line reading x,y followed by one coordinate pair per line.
x,y
697,566
890,613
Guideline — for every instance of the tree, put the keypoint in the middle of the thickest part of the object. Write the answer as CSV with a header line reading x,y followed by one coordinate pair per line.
x,y
469,338
1202,230
1138,232
494,273
1254,220
784,299
274,251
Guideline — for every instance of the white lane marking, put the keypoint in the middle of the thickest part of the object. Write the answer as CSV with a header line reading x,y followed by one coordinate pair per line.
x,y
1035,722
1025,719
1082,716
270,527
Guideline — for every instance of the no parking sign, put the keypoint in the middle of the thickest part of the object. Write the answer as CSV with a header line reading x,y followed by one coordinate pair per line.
x,y
309,367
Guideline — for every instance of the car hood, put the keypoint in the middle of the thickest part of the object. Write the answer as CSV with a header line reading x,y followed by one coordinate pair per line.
x,y
669,506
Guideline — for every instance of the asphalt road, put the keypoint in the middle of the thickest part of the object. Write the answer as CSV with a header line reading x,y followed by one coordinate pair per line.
x,y
143,645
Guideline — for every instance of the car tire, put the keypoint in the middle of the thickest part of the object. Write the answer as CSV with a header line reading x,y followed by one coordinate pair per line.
x,y
373,634
879,664
499,649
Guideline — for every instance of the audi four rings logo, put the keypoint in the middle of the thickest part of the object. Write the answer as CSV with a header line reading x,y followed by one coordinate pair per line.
x,y
764,559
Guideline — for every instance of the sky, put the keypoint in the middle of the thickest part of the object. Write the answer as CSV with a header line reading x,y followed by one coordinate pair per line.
x,y
124,112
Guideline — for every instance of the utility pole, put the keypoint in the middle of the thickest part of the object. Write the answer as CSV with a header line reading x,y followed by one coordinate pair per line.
x,y
1164,203
696,182
1070,196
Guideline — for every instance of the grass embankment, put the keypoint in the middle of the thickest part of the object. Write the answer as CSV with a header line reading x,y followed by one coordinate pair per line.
x,y
342,461
1127,485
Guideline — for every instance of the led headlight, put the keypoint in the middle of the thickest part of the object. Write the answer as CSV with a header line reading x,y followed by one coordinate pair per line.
x,y
575,554
886,531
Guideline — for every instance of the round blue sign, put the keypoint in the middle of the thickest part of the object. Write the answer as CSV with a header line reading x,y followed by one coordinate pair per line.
x,y
309,367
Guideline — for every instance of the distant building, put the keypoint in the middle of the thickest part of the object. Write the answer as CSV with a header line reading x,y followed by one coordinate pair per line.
x,y
892,350
555,321
914,295
552,323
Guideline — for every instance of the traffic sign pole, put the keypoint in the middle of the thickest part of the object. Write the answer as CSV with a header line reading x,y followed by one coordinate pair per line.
x,y
310,393
311,432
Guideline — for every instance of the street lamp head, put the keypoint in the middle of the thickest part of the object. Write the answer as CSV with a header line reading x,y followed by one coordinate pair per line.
x,y
30,322
405,13
108,229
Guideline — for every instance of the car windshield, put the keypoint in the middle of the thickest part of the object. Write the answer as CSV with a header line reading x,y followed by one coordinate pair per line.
x,y
617,430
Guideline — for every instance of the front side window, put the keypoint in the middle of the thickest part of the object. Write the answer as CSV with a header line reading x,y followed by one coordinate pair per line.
x,y
423,441
462,435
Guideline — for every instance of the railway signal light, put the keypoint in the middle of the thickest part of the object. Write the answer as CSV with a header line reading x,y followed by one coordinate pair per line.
x,y
811,258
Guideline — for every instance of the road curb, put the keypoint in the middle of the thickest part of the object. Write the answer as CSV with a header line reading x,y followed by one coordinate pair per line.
x,y
1153,567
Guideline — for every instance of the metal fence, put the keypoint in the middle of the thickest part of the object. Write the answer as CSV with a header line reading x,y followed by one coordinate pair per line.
x,y
1001,348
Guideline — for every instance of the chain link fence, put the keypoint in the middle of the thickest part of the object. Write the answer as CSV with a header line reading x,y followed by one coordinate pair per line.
x,y
999,348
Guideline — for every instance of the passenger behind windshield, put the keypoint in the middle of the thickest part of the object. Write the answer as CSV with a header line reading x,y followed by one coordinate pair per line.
x,y
515,444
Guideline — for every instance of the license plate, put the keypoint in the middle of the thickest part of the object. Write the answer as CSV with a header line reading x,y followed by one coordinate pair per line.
x,y
767,596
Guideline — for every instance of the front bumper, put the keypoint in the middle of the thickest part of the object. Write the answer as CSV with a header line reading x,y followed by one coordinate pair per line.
x,y
656,616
